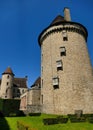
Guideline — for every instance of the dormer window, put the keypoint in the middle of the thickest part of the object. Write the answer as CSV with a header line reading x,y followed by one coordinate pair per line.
x,y
62,51
64,33
59,65
56,82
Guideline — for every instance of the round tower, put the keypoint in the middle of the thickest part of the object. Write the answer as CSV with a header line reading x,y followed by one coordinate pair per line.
x,y
66,71
7,83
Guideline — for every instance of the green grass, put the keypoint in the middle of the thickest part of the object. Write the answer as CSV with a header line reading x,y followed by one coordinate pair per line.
x,y
36,122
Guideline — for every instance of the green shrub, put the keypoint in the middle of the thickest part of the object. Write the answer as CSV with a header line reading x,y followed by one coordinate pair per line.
x,y
12,114
1,114
20,113
90,119
8,106
58,120
62,120
75,119
34,114
50,121
87,115
72,116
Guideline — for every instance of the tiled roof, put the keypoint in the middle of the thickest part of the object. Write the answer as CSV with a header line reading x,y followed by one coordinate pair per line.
x,y
20,82
57,20
8,71
37,82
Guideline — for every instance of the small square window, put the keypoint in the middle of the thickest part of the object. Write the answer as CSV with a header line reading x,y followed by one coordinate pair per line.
x,y
42,99
62,51
56,82
7,76
42,83
64,33
59,65
7,83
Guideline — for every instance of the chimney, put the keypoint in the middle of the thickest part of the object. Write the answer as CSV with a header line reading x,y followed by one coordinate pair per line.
x,y
67,14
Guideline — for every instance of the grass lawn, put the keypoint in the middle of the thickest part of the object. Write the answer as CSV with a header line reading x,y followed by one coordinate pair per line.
x,y
36,122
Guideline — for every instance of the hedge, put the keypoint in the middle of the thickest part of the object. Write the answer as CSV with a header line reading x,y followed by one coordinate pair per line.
x,y
76,120
9,106
34,114
50,121
58,120
90,119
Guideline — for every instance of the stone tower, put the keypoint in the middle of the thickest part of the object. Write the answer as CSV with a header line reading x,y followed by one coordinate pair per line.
x,y
66,71
6,84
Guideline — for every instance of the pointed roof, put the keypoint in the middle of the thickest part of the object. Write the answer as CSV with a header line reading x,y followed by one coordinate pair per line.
x,y
37,83
57,20
8,71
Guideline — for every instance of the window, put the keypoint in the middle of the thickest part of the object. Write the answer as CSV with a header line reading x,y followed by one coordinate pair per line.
x,y
42,99
42,83
14,90
42,69
59,65
64,33
7,83
22,90
7,76
62,51
56,82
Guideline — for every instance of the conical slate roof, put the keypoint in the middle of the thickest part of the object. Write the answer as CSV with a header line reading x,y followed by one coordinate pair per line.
x,y
57,20
8,71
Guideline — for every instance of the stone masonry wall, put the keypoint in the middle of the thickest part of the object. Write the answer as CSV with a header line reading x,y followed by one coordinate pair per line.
x,y
73,92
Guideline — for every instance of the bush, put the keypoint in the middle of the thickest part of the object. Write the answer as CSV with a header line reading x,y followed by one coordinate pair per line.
x,y
90,119
34,114
58,120
87,115
50,121
72,116
62,120
75,120
12,114
1,114
20,113
8,106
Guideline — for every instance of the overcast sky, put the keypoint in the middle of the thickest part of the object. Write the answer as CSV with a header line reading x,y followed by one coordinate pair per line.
x,y
21,22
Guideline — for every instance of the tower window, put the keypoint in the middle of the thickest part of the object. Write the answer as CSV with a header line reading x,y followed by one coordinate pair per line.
x,y
42,99
56,82
59,65
64,33
8,77
7,83
62,51
42,83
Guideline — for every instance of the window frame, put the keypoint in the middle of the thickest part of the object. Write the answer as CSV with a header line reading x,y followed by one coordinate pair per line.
x,y
62,51
59,65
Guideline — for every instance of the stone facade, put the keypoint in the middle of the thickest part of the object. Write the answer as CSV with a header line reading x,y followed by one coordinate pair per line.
x,y
30,100
66,71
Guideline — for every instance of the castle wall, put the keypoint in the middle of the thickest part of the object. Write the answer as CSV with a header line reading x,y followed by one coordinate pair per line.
x,y
30,101
74,92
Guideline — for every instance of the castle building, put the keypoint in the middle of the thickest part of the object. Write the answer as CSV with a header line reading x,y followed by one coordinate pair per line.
x,y
11,87
30,100
66,71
